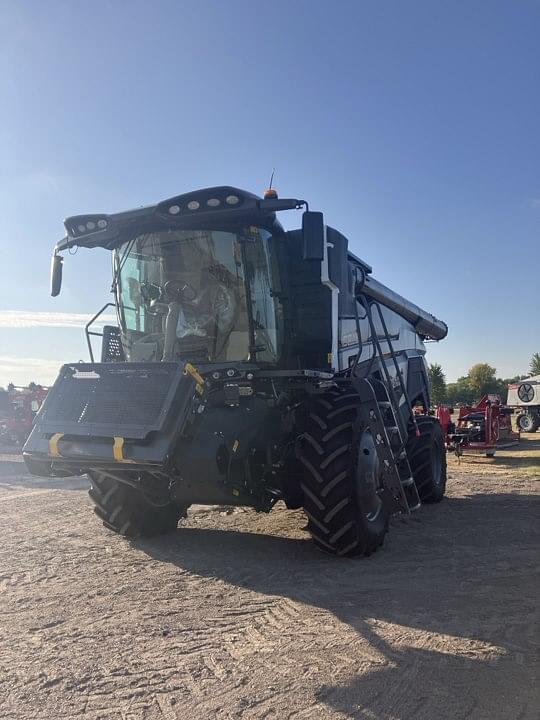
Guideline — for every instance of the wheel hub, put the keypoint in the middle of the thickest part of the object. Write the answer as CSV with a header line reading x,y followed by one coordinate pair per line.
x,y
368,477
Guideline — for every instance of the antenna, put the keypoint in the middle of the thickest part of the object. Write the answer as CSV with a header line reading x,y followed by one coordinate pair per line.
x,y
271,194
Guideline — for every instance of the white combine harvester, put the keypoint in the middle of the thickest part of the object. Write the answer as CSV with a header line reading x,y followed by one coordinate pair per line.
x,y
525,397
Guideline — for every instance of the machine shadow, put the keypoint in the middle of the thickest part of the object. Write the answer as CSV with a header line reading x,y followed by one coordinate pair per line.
x,y
461,569
14,475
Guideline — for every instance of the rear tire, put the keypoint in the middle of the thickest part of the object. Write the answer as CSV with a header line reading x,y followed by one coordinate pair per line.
x,y
127,511
527,423
341,478
427,458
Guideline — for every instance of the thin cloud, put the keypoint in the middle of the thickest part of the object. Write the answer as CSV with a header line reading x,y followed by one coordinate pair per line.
x,y
22,370
32,319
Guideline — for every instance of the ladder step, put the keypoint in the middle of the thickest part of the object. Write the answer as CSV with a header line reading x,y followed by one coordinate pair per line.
x,y
393,432
398,491
411,493
395,440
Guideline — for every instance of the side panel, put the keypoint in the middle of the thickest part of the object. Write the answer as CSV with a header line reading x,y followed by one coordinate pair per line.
x,y
309,307
418,387
402,336
524,394
406,343
341,276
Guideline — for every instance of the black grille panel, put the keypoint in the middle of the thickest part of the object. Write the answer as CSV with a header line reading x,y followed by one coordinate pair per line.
x,y
127,399
111,346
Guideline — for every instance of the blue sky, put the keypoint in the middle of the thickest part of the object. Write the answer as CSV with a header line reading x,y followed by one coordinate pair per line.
x,y
413,126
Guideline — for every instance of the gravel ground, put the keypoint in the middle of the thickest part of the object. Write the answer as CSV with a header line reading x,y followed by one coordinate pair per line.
x,y
237,615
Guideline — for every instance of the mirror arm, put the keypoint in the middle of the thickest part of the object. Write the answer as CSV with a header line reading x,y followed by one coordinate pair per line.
x,y
277,204
65,243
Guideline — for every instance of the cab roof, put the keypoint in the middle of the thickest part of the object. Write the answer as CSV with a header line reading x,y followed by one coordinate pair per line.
x,y
207,208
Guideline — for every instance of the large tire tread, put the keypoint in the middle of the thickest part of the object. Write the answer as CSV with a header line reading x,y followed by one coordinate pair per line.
x,y
533,426
125,510
420,451
335,521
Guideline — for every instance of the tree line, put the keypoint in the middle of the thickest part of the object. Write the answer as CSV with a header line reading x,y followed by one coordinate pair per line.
x,y
480,380
31,386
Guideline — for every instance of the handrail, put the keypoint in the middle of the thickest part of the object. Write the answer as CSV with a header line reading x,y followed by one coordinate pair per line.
x,y
368,304
88,332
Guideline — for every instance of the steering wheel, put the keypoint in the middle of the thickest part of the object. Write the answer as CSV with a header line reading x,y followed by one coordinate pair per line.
x,y
179,291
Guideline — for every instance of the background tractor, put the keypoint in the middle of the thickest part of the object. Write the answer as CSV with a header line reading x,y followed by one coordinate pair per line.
x,y
250,365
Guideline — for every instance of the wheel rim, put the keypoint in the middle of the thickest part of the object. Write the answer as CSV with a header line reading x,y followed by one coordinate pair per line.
x,y
525,423
368,478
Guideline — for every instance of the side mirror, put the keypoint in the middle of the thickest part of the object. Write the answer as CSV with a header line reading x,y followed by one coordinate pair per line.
x,y
313,235
56,274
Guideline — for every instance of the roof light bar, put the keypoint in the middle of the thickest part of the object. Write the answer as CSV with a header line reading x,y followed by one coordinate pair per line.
x,y
211,199
81,225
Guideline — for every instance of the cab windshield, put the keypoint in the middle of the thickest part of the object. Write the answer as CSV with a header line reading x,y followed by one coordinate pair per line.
x,y
201,295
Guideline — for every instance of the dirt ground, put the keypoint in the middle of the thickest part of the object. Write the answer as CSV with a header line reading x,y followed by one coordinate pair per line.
x,y
237,615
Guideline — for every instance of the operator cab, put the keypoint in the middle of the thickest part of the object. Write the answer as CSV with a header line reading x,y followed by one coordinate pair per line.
x,y
198,277
199,295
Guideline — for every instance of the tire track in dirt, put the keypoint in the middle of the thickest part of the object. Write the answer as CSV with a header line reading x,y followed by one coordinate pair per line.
x,y
237,616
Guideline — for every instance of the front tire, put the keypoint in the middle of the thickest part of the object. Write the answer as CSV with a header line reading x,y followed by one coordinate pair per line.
x,y
427,458
527,423
341,478
127,511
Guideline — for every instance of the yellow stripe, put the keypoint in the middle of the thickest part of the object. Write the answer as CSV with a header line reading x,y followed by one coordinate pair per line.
x,y
188,368
53,445
118,450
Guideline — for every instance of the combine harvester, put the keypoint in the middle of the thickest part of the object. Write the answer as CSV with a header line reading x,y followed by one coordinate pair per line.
x,y
525,398
250,365
480,428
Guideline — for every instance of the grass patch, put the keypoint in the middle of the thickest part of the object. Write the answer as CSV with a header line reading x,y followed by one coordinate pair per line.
x,y
523,458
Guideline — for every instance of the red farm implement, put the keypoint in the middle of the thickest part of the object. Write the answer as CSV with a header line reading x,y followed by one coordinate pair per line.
x,y
18,408
480,428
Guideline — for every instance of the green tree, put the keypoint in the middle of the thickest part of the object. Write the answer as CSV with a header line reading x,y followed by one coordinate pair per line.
x,y
535,364
482,379
459,392
438,383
